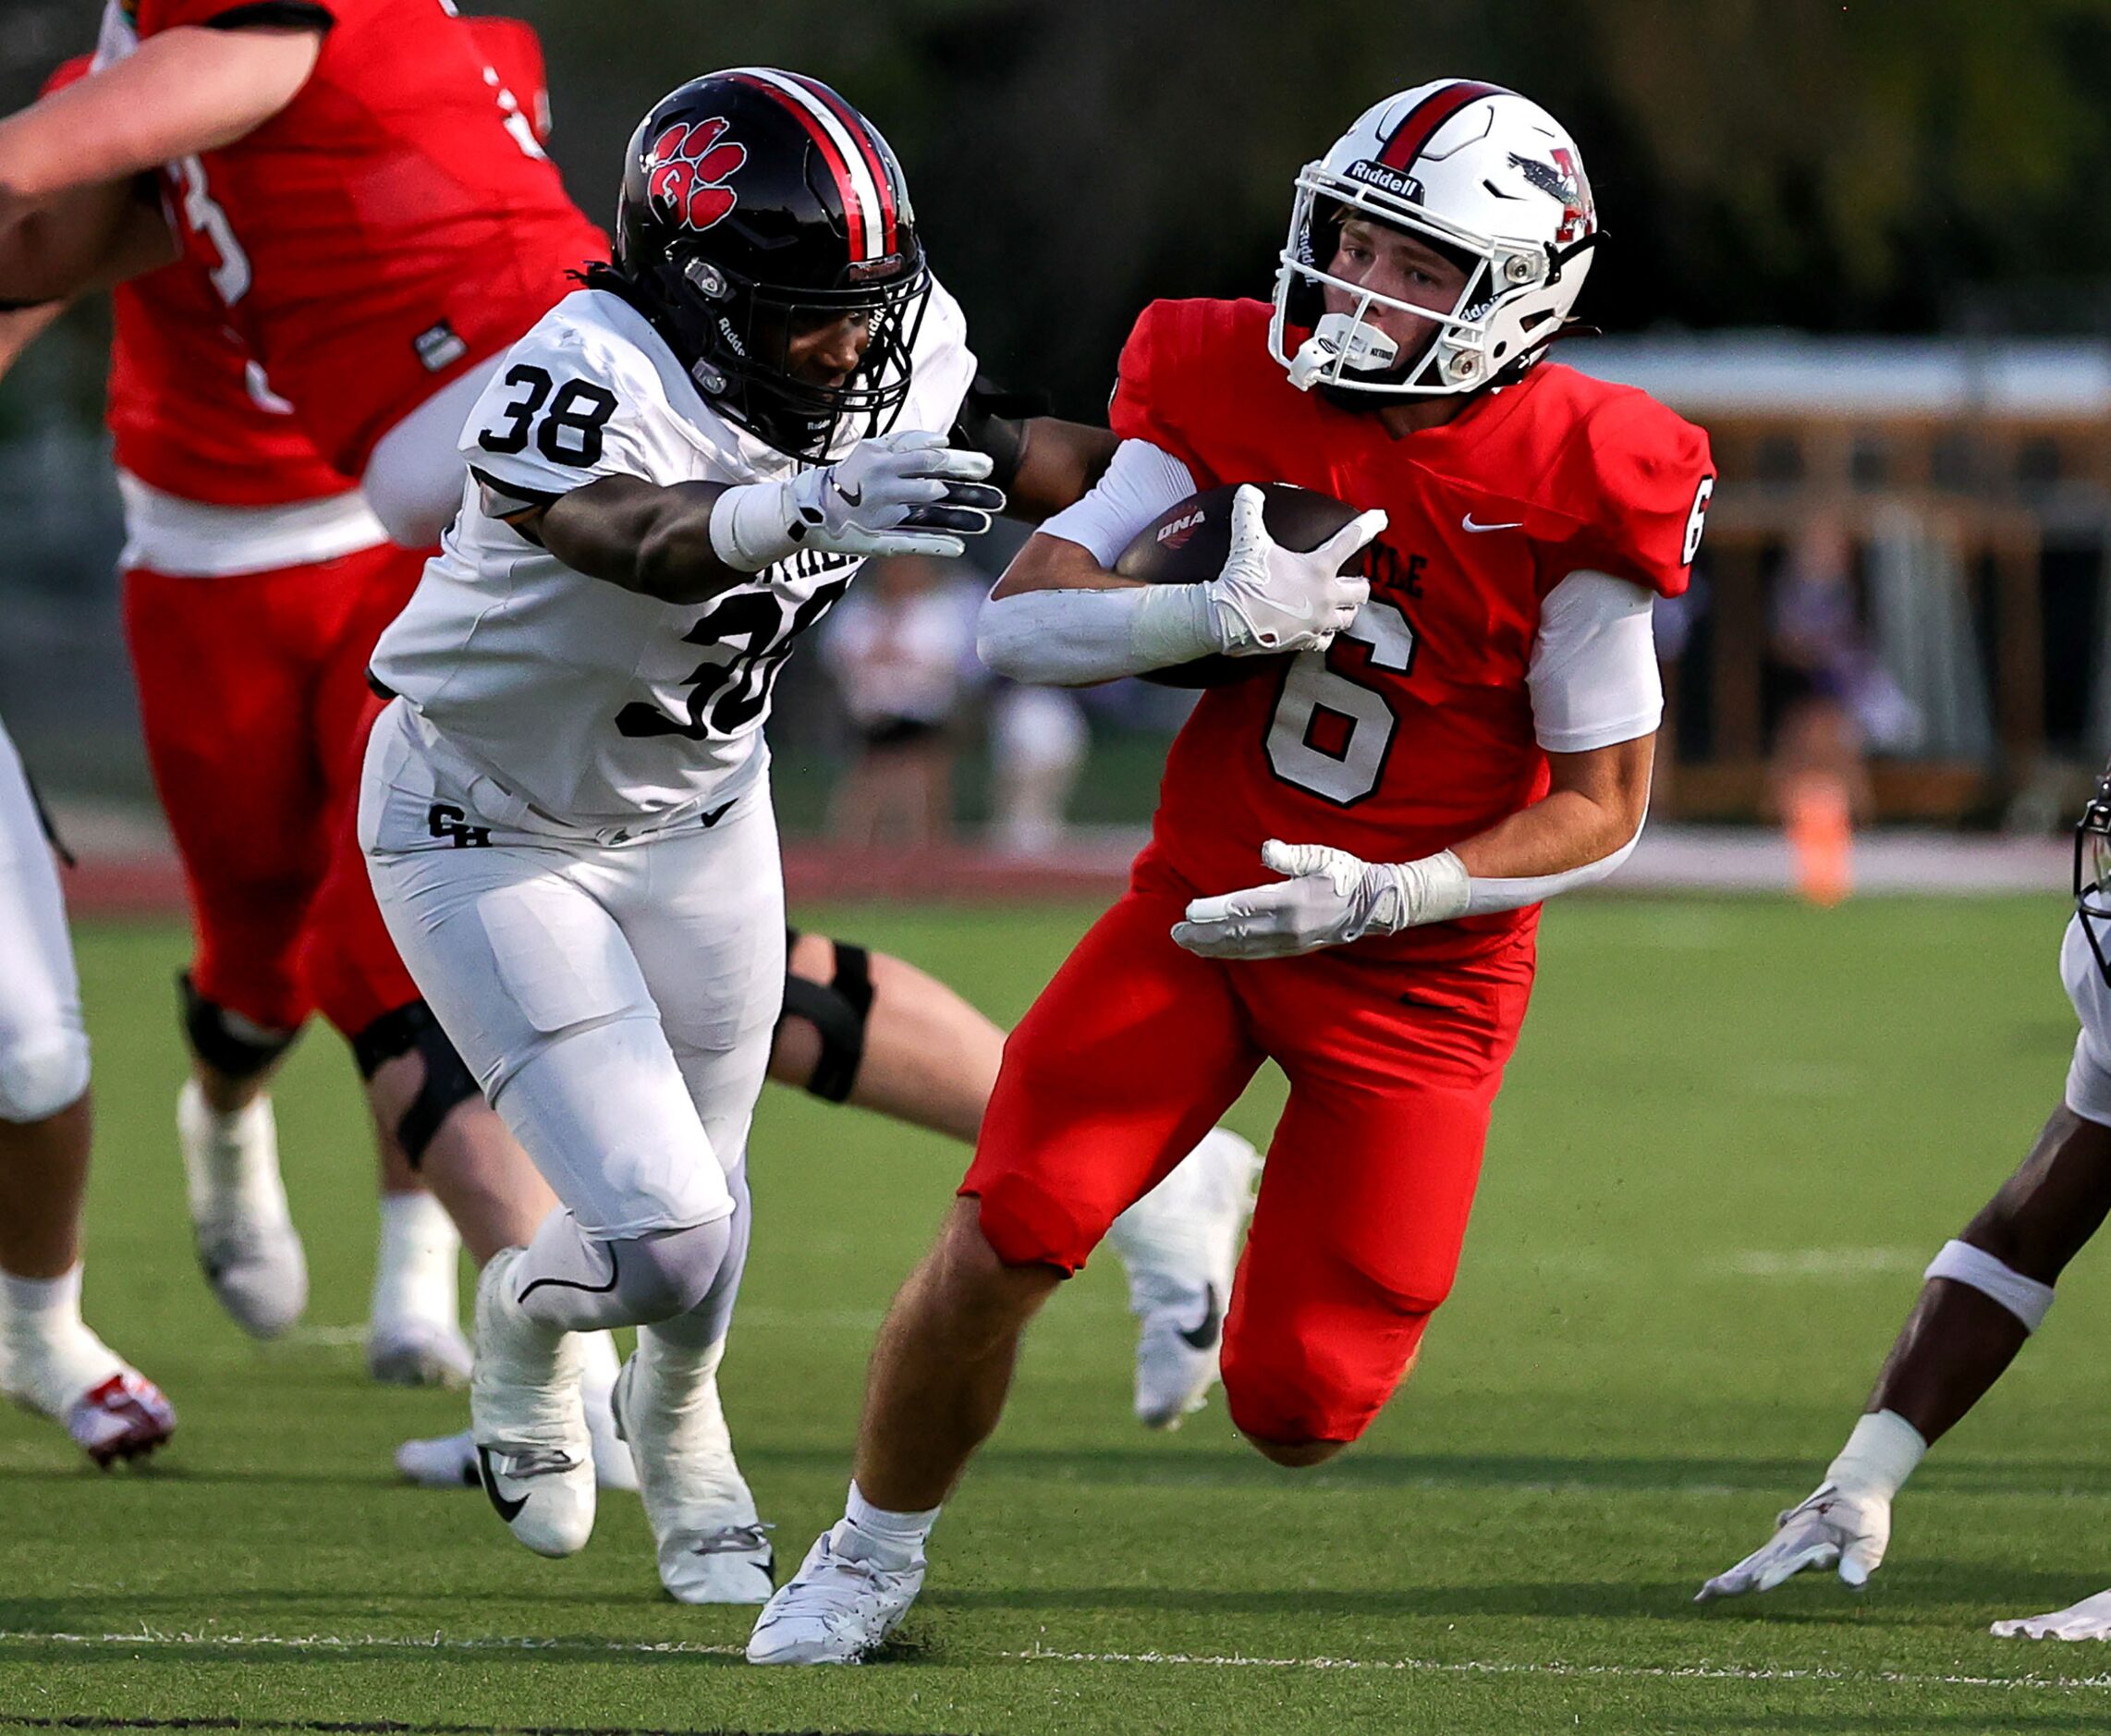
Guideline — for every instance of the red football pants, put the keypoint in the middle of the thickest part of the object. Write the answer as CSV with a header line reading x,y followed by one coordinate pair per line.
x,y
1136,1048
253,697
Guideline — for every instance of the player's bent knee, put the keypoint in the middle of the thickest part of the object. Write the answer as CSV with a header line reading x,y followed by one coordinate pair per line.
x,y
1025,1224
671,1272
447,1082
41,1074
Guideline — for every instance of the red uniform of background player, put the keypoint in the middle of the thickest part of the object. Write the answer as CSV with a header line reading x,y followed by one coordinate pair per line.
x,y
256,582
1464,729
392,224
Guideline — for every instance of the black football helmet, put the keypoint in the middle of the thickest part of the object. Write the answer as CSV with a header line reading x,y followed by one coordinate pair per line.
x,y
2092,870
758,205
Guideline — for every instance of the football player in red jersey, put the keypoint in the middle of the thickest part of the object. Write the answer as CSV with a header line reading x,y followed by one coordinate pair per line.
x,y
367,201
1351,845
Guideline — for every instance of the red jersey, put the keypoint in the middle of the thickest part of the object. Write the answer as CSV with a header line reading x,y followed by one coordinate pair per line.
x,y
188,412
395,224
1414,731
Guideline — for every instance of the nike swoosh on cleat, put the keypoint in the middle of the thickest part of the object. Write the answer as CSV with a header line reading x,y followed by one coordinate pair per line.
x,y
507,1511
1467,524
1204,1336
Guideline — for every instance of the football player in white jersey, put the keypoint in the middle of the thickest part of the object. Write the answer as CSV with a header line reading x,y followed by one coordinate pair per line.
x,y
1986,1293
565,810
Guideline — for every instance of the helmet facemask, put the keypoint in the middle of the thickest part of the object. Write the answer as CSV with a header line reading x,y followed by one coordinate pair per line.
x,y
2092,872
1514,301
739,334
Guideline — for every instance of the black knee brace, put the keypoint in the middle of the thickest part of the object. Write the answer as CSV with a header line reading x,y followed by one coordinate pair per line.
x,y
447,1077
230,1044
838,1010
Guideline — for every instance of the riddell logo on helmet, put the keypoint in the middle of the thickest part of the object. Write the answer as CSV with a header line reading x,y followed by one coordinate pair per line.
x,y
686,168
1385,180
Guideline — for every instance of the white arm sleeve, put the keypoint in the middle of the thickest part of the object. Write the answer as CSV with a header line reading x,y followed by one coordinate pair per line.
x,y
1593,677
1482,895
1078,638
1141,483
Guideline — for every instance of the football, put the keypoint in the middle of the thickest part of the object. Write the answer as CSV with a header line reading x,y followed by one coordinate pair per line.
x,y
1187,545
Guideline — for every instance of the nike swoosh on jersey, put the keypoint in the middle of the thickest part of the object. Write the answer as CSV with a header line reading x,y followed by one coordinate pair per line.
x,y
1467,524
507,1511
1204,1336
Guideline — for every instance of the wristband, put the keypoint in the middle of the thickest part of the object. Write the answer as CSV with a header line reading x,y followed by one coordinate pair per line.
x,y
751,526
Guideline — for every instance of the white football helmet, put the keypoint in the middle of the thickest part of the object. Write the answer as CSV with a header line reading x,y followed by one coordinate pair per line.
x,y
1476,170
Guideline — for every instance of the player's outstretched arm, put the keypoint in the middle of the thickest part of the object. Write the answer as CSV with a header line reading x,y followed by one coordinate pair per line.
x,y
1986,1293
901,493
1057,465
182,92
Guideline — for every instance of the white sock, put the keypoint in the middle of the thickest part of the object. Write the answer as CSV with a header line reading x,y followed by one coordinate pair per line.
x,y
417,1266
599,1365
232,1158
1879,1455
41,1306
894,1535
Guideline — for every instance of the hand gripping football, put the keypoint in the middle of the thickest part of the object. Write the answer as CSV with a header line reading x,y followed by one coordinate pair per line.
x,y
1187,545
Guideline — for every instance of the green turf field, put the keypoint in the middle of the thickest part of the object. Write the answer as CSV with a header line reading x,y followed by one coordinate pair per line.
x,y
1732,1135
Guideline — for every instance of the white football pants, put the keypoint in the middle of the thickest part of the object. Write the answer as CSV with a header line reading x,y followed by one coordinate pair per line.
x,y
44,1044
616,1002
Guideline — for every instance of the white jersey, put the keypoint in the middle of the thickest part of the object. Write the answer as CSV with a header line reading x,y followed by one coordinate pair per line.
x,y
588,702
2089,1075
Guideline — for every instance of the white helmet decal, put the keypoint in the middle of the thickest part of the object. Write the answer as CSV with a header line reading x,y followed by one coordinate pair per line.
x,y
1481,172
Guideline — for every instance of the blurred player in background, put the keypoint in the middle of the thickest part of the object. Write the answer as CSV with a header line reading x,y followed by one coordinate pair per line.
x,y
254,582
1985,1293
369,204
901,648
1839,701
1464,732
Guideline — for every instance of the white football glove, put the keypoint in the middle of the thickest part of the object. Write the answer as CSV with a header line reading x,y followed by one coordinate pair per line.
x,y
898,493
2089,1619
1834,1526
1330,898
1269,598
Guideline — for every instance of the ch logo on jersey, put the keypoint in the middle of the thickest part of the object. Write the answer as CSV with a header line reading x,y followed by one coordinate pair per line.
x,y
448,823
1562,179
687,168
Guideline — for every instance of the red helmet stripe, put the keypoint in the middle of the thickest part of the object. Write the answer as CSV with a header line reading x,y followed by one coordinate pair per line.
x,y
860,134
816,130
1426,116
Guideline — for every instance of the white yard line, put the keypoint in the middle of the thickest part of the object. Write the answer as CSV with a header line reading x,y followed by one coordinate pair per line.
x,y
1417,1665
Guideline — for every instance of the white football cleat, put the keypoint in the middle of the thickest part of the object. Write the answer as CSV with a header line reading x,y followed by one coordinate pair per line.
x,y
534,1452
1180,1245
418,1352
449,1461
2089,1619
247,1246
839,1607
111,1410
712,1547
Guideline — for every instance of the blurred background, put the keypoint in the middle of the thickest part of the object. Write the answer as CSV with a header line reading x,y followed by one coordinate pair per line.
x,y
1862,244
